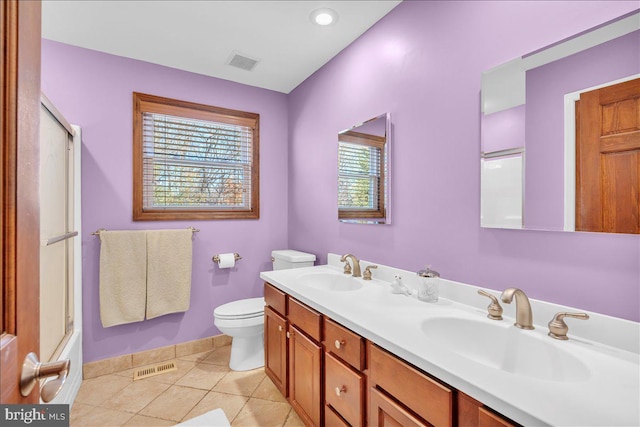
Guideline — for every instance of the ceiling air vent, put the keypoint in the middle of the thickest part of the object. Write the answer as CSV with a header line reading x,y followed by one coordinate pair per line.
x,y
242,61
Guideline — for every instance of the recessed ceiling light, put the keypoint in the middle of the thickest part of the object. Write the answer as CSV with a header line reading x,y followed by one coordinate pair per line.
x,y
324,16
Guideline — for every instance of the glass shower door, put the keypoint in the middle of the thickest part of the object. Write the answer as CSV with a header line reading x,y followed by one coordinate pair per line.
x,y
56,232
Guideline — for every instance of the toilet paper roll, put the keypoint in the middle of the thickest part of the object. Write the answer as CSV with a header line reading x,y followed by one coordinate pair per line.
x,y
227,261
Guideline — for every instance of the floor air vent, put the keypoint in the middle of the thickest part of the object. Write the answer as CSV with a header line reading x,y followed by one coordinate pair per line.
x,y
157,369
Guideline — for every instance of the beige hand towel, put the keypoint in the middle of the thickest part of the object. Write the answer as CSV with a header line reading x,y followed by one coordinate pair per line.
x,y
123,273
168,271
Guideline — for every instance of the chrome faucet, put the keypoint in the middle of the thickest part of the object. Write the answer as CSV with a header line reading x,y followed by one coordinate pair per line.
x,y
355,262
524,317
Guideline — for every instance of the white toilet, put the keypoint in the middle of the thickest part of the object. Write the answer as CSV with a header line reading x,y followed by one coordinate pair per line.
x,y
243,320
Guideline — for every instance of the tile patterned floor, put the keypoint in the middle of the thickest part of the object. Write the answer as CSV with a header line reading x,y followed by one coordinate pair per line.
x,y
203,382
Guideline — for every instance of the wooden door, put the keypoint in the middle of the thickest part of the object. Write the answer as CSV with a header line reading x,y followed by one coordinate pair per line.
x,y
275,349
608,159
19,129
305,388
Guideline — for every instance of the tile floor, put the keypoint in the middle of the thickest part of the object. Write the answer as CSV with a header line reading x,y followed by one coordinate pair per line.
x,y
203,382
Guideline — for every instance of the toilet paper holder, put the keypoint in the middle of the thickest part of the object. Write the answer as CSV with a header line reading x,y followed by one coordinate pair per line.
x,y
216,258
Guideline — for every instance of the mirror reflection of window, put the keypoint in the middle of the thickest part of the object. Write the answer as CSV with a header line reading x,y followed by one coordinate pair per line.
x,y
359,175
362,173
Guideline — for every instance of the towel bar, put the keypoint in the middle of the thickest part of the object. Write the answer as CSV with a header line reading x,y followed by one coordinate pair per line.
x,y
60,238
216,258
97,232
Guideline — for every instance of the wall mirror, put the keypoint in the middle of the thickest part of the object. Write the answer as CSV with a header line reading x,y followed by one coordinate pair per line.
x,y
363,172
560,135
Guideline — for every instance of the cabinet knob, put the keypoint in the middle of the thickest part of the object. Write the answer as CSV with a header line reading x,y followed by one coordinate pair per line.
x,y
288,335
339,344
340,390
280,328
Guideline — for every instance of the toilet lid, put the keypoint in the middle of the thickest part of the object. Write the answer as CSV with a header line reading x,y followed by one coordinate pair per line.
x,y
241,309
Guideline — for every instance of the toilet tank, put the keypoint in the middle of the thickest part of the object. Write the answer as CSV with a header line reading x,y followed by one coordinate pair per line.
x,y
288,258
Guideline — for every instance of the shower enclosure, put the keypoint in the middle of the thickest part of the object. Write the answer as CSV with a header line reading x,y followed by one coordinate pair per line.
x,y
60,263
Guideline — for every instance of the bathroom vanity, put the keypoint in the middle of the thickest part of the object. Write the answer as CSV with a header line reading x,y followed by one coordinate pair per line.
x,y
347,352
357,375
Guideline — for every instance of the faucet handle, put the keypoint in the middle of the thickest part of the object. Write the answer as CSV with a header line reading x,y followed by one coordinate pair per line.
x,y
367,272
558,328
495,309
347,266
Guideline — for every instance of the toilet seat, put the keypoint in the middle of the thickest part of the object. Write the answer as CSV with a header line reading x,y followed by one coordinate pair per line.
x,y
241,309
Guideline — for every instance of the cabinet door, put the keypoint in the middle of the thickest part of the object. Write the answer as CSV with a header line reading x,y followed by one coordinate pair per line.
x,y
384,412
275,349
305,387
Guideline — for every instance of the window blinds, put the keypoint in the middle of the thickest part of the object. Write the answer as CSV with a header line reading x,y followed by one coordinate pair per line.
x,y
359,174
195,164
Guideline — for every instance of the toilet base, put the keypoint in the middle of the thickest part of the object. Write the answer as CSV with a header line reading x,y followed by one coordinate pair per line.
x,y
247,353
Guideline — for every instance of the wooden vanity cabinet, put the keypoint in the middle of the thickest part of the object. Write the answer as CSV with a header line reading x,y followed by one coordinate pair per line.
x,y
386,412
305,362
345,383
333,419
335,378
275,349
275,337
431,401
472,413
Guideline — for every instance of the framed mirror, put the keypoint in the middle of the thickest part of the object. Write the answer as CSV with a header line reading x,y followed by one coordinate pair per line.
x,y
363,172
560,135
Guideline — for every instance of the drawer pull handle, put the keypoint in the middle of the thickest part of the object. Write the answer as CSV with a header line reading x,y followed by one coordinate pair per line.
x,y
339,343
280,328
340,390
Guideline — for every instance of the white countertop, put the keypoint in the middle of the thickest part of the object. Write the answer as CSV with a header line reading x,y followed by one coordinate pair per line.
x,y
608,347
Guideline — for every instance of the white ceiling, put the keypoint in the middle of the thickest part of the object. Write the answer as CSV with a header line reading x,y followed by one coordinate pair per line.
x,y
200,36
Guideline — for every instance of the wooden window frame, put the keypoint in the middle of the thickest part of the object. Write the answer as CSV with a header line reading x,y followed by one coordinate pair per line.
x,y
143,103
379,142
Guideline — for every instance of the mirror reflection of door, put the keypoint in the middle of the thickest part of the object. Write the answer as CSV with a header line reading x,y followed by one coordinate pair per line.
x,y
608,159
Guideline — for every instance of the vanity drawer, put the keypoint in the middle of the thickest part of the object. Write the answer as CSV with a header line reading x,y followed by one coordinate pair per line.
x,y
489,419
275,298
345,344
307,319
331,419
344,390
426,397
384,411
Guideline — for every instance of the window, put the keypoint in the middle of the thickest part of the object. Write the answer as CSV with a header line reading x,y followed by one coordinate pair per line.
x,y
193,161
361,166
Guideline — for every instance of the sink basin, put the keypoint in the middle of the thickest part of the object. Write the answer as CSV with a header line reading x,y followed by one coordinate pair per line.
x,y
330,282
502,346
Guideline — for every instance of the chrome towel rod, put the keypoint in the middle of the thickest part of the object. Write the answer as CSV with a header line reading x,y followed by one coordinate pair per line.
x,y
97,232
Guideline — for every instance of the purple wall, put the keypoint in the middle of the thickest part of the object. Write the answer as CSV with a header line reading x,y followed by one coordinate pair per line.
x,y
545,90
422,63
93,90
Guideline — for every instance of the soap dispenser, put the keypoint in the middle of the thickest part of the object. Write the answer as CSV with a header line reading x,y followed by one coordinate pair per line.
x,y
429,286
